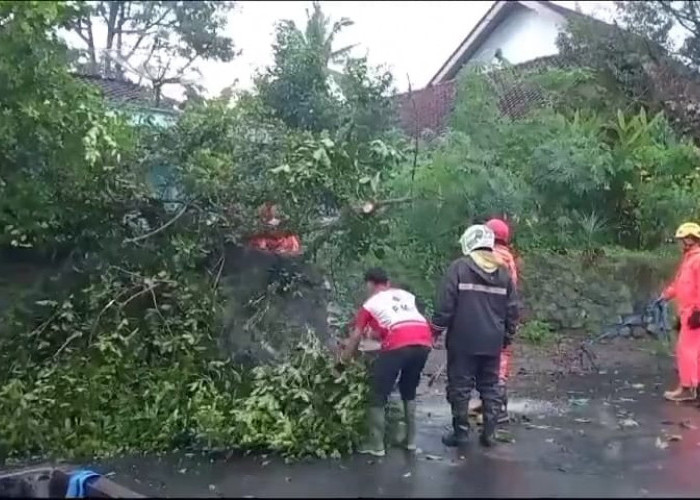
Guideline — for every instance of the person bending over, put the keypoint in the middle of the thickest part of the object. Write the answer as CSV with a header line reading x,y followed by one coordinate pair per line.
x,y
406,340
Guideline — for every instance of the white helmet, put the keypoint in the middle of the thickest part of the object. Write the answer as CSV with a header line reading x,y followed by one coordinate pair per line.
x,y
476,237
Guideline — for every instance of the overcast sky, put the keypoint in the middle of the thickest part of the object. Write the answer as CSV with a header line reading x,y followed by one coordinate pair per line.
x,y
411,38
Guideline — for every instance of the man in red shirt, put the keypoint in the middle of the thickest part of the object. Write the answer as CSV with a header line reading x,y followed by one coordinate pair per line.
x,y
406,338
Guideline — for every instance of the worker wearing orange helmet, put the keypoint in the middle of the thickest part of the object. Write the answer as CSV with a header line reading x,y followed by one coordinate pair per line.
x,y
685,290
503,251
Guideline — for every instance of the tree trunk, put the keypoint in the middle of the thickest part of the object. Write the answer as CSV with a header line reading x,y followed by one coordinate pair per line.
x,y
114,8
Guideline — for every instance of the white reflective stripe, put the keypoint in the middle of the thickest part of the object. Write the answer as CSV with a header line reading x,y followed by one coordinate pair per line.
x,y
496,290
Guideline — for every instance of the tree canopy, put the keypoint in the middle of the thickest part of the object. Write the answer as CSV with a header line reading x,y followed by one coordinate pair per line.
x,y
160,41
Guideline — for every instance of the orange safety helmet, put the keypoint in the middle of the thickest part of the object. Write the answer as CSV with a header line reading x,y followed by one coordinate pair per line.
x,y
500,229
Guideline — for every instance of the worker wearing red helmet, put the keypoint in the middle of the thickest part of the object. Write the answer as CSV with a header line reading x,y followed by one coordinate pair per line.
x,y
502,250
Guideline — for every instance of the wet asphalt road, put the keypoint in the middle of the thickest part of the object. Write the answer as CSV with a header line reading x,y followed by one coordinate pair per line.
x,y
604,435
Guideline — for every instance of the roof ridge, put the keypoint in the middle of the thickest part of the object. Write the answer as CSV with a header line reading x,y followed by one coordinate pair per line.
x,y
126,91
495,13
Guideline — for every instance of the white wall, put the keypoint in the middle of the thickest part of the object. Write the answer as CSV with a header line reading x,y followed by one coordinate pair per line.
x,y
524,35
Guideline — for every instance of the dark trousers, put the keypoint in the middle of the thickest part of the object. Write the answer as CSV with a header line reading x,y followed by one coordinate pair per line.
x,y
464,373
406,363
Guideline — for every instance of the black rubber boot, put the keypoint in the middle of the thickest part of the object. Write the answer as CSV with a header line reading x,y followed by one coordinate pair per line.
x,y
502,416
485,440
459,435
488,430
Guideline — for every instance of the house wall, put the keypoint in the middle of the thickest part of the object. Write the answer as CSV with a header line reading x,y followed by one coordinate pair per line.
x,y
138,117
524,35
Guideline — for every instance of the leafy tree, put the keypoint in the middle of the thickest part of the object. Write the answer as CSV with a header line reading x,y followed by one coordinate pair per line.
x,y
617,56
160,40
656,19
306,93
55,153
298,85
119,353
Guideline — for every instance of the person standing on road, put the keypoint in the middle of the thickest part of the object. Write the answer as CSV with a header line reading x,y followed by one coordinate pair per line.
x,y
407,339
477,306
685,290
501,248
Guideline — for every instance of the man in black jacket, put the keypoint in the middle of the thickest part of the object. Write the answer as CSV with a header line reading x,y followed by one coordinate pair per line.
x,y
477,305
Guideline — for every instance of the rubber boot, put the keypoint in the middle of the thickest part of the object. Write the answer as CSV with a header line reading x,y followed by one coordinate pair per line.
x,y
488,430
459,435
502,416
374,444
409,408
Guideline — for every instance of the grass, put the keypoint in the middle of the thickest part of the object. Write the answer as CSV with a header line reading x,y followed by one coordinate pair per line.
x,y
537,332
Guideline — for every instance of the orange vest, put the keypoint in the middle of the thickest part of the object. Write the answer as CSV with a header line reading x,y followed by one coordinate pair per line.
x,y
685,288
277,243
504,253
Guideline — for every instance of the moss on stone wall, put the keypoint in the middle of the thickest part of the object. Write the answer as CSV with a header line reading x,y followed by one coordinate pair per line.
x,y
572,293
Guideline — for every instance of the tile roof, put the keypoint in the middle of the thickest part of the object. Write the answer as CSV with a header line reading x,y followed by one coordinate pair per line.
x,y
125,92
430,107
426,109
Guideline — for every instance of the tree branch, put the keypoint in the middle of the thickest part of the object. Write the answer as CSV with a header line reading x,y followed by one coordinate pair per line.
x,y
161,228
180,72
367,209
91,45
680,18
146,31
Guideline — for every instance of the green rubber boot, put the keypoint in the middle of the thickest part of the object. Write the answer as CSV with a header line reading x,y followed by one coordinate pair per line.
x,y
409,409
374,444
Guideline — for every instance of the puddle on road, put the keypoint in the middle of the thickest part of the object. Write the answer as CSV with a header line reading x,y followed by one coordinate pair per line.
x,y
519,406
535,406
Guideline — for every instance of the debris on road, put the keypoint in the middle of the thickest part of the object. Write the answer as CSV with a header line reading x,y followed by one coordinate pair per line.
x,y
661,444
628,423
504,437
579,401
539,427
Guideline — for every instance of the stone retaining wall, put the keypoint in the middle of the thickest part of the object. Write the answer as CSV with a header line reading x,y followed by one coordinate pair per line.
x,y
571,294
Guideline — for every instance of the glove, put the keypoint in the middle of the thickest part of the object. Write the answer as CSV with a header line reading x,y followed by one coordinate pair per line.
x,y
694,320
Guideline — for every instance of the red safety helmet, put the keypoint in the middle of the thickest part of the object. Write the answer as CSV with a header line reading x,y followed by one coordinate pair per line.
x,y
500,229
